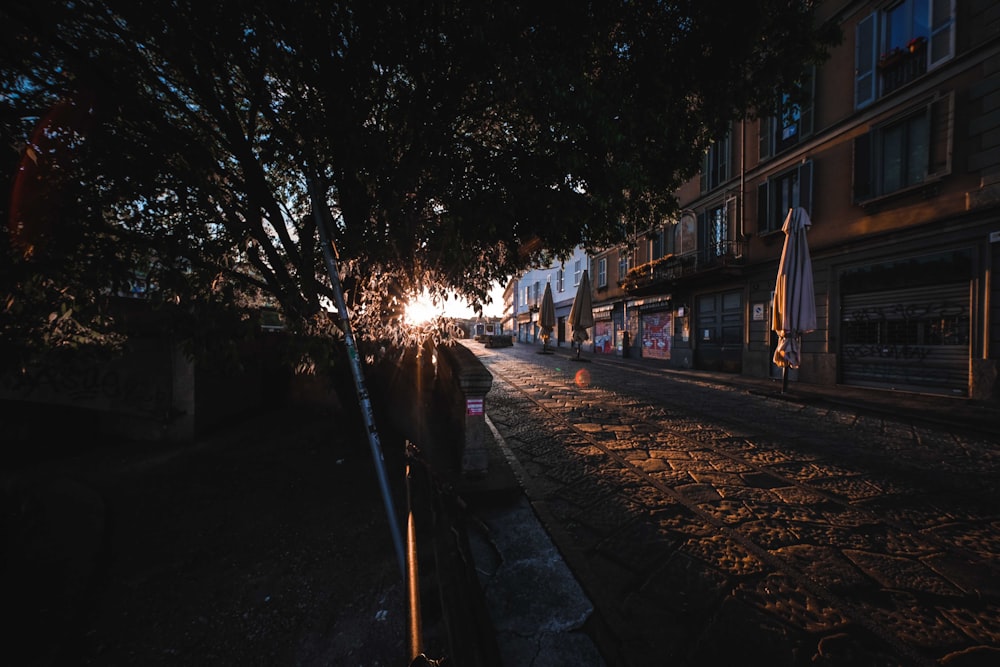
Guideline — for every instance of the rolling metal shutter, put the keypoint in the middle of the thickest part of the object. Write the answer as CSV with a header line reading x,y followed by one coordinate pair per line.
x,y
910,339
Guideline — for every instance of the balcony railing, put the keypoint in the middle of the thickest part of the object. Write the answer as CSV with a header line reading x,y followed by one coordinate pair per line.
x,y
901,66
672,268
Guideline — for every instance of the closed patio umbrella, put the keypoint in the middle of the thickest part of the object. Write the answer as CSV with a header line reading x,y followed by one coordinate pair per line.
x,y
794,311
581,315
547,317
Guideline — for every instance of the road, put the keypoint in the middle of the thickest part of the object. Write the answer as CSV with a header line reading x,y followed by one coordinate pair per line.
x,y
714,524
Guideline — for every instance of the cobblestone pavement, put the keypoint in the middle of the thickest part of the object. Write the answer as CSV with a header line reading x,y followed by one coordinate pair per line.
x,y
712,524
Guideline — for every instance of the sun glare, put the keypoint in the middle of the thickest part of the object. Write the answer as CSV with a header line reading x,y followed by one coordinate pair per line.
x,y
422,309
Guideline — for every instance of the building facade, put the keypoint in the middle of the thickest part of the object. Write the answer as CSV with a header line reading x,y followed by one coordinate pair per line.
x,y
526,297
892,147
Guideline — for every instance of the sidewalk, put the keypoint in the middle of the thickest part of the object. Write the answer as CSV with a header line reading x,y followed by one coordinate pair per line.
x,y
946,411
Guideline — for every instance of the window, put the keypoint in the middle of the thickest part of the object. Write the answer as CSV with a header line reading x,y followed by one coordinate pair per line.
x,y
899,44
624,263
905,152
560,281
602,272
657,245
792,120
715,164
577,271
786,190
717,231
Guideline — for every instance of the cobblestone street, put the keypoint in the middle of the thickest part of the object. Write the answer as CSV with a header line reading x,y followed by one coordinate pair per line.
x,y
714,523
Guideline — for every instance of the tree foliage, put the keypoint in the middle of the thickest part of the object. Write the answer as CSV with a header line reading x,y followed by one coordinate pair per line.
x,y
452,143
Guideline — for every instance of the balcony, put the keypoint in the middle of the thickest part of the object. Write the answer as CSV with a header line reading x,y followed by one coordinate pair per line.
x,y
901,66
723,257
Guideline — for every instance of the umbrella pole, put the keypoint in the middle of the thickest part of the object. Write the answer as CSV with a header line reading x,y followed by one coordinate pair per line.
x,y
784,378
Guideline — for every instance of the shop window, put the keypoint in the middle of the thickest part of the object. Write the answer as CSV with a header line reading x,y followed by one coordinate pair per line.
x,y
905,152
899,44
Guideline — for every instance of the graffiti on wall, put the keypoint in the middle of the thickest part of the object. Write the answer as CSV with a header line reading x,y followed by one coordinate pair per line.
x,y
921,344
104,387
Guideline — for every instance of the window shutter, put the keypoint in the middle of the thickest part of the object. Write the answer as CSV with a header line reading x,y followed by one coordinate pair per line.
x,y
734,225
766,124
942,31
865,49
808,104
940,140
763,209
805,186
863,189
703,232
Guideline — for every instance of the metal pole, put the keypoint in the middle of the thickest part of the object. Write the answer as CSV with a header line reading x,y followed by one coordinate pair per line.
x,y
321,213
416,634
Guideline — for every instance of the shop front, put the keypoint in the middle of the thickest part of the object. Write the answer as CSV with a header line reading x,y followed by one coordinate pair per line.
x,y
655,327
906,324
604,330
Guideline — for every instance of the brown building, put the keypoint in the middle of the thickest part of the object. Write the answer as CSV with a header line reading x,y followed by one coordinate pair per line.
x,y
895,156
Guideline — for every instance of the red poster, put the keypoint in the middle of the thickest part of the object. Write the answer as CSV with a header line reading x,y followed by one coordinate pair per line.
x,y
604,339
656,335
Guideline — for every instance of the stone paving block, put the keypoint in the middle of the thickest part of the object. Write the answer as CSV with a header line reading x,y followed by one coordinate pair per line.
x,y
844,516
848,488
783,511
982,625
895,572
638,545
742,635
785,599
854,647
977,577
726,554
797,495
825,565
839,537
699,493
716,478
796,471
917,625
765,455
672,478
979,538
727,512
771,533
686,586
677,519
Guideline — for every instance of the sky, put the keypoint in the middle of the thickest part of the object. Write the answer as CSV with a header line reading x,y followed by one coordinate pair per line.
x,y
422,309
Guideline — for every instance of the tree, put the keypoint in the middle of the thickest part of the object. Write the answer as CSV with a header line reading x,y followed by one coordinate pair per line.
x,y
453,143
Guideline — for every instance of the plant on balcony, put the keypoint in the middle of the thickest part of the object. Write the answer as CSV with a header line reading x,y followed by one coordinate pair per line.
x,y
891,58
916,44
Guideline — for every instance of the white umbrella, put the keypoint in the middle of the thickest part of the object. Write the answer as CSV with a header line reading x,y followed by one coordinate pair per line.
x,y
581,315
794,311
547,317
